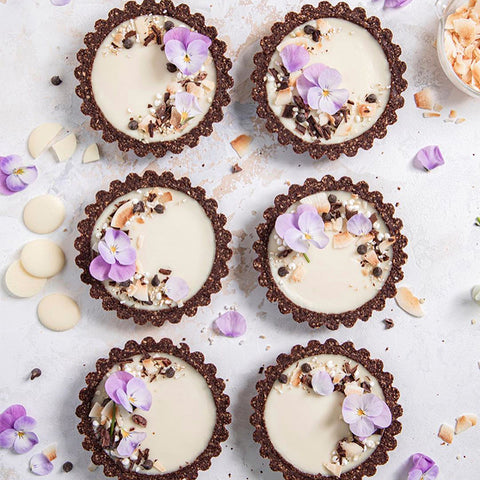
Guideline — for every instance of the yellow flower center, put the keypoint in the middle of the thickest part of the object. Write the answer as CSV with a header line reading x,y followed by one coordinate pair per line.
x,y
113,249
187,58
20,434
360,412
183,117
19,171
326,93
308,237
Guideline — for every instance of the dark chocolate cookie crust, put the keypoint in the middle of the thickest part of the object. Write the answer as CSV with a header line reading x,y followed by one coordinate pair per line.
x,y
375,367
397,68
148,345
151,179
296,193
86,57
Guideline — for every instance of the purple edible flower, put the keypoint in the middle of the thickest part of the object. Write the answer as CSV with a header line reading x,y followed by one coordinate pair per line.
x,y
429,158
231,324
16,429
396,3
14,176
117,257
424,468
186,104
359,225
322,383
302,228
130,442
318,88
187,50
294,57
129,391
365,414
40,464
176,288
60,3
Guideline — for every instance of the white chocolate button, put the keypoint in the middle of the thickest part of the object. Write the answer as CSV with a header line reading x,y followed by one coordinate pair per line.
x,y
41,138
20,283
42,258
58,312
44,214
65,148
91,154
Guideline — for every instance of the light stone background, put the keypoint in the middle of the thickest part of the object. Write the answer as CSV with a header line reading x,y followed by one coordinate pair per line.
x,y
434,359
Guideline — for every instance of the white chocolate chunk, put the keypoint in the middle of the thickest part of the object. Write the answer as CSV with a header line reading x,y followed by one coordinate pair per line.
x,y
20,283
58,312
91,154
65,148
42,137
42,258
44,214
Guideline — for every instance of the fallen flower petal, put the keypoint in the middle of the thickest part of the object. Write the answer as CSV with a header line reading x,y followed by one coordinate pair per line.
x,y
60,3
176,288
40,464
396,3
322,383
423,468
359,225
429,158
130,442
294,57
231,324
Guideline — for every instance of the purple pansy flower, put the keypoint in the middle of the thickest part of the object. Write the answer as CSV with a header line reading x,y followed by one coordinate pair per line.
x,y
318,88
302,228
322,383
40,464
186,104
117,257
294,57
176,288
187,50
359,224
429,158
365,414
14,176
424,468
130,442
129,391
16,429
231,324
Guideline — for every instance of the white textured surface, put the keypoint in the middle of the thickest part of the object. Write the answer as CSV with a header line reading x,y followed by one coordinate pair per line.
x,y
434,359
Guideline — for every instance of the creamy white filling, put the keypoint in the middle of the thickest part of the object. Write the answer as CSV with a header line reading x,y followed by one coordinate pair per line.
x,y
126,81
305,428
334,281
362,63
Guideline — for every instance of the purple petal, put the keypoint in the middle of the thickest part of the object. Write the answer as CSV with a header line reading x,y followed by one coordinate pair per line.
x,y
314,72
231,324
99,268
14,183
105,252
415,474
363,427
126,256
322,383
383,420
124,400
432,474
334,101
176,288
359,225
129,444
350,407
4,190
60,3
294,57
117,381
142,398
7,438
303,86
185,36
25,424
372,405
187,103
310,222
295,240
285,222
10,415
396,3
28,175
198,53
10,163
328,78
422,462
120,239
121,273
305,207
314,97
176,51
25,442
429,158
40,464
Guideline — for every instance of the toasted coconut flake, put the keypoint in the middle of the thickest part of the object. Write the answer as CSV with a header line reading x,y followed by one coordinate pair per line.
x,y
292,80
208,85
149,365
319,201
446,433
173,88
284,97
298,274
386,244
431,115
107,412
96,411
452,114
158,466
424,99
50,452
342,240
408,302
460,120
465,422
165,197
367,110
334,468
465,29
241,144
194,89
352,388
371,258
296,378
122,215
352,449
141,293
437,107
338,377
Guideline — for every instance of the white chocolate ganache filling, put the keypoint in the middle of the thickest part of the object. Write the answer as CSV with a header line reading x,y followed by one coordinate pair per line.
x,y
174,243
137,88
362,74
174,430
352,264
307,429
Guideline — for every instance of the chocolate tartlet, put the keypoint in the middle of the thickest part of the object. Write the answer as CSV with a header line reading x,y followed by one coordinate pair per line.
x,y
143,402
153,248
303,415
153,78
330,252
329,80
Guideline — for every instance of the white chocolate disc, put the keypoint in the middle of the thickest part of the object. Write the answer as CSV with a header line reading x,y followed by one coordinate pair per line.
x,y
42,258
58,312
44,214
20,283
41,138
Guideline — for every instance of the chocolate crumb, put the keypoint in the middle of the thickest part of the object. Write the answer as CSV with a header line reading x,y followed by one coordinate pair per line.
x,y
236,168
159,208
148,39
388,323
36,372
155,281
260,370
56,80
131,33
139,420
67,467
288,111
164,271
283,378
139,207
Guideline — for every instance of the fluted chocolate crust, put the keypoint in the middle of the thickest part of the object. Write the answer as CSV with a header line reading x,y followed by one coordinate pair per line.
x,y
392,52
295,194
362,356
86,57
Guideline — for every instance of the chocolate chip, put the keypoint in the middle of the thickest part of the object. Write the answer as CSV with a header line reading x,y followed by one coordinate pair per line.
x,y
284,253
316,35
147,464
362,249
283,378
159,208
168,25
388,323
308,29
171,67
56,80
326,217
133,125
36,372
67,467
164,271
282,271
332,198
125,284
300,118
139,420
372,98
170,372
155,281
288,111
306,367
139,207
127,43
377,272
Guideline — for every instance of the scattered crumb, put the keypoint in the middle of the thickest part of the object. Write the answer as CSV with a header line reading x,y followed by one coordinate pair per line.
x,y
460,120
388,323
431,115
236,168
452,114
437,107
267,348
